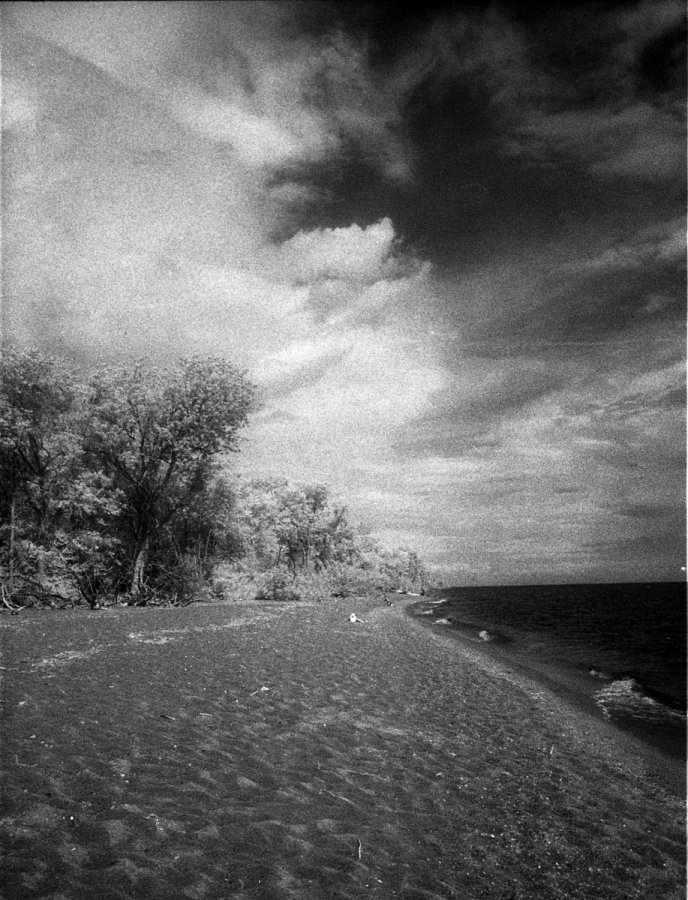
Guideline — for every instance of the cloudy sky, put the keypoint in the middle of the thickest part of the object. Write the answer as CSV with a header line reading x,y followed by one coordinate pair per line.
x,y
447,243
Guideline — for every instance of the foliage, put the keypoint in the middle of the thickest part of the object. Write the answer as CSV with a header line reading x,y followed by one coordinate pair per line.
x,y
157,434
101,477
51,504
286,530
277,585
36,442
296,526
112,485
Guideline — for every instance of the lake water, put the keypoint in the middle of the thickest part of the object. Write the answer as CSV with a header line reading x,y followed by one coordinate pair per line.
x,y
629,639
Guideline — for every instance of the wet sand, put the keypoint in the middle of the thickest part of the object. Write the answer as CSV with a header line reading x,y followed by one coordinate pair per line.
x,y
281,751
664,749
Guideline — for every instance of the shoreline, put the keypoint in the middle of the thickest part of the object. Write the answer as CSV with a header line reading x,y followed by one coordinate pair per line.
x,y
665,755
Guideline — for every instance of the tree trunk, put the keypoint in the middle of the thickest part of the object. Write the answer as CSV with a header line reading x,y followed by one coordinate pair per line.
x,y
139,568
11,549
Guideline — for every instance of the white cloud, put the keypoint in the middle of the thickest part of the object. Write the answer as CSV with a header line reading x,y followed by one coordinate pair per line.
x,y
259,140
128,40
377,382
297,357
360,254
18,106
339,426
236,73
642,392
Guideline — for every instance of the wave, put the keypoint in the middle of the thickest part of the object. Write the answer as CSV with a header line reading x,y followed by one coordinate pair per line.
x,y
625,698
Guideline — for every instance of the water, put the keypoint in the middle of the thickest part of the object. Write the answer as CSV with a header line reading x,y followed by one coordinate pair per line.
x,y
630,639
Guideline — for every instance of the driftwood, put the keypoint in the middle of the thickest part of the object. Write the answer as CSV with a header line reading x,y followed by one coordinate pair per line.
x,y
5,601
37,591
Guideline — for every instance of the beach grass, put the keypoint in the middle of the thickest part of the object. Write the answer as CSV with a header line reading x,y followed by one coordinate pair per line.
x,y
281,751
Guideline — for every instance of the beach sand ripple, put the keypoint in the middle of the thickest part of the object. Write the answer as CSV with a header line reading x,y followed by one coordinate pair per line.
x,y
280,752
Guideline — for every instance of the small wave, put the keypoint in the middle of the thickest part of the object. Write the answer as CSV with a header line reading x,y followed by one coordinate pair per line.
x,y
596,673
625,698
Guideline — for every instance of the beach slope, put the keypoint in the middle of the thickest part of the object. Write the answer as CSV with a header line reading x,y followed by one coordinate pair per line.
x,y
282,751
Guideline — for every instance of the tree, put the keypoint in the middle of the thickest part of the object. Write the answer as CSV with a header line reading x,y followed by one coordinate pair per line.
x,y
299,540
37,446
54,512
292,525
158,433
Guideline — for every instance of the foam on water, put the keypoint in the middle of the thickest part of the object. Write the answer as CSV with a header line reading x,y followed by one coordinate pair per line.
x,y
626,630
625,699
628,639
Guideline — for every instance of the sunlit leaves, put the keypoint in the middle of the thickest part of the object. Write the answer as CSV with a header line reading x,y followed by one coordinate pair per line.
x,y
92,470
156,433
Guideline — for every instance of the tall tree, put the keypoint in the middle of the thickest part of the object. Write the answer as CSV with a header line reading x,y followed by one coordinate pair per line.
x,y
157,433
294,525
37,445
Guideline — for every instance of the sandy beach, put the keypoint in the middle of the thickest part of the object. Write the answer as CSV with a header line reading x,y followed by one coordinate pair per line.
x,y
281,751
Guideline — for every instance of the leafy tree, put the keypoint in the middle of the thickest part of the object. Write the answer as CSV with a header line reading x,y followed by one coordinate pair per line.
x,y
117,481
295,526
399,569
36,447
51,506
36,392
193,543
157,434
206,528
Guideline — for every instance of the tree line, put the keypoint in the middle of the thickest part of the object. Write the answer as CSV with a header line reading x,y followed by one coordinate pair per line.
x,y
116,484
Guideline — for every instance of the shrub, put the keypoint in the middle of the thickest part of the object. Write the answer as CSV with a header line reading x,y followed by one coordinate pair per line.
x,y
350,581
232,582
277,585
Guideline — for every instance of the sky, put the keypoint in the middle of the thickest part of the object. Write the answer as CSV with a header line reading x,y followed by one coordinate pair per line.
x,y
447,241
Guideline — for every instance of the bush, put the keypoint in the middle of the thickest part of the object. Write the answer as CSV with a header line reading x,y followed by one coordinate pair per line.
x,y
277,585
351,581
185,579
231,582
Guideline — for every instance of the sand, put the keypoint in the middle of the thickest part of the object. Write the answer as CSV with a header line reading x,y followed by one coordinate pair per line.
x,y
281,751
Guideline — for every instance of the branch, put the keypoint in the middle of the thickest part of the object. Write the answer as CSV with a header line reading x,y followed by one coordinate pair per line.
x,y
39,591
